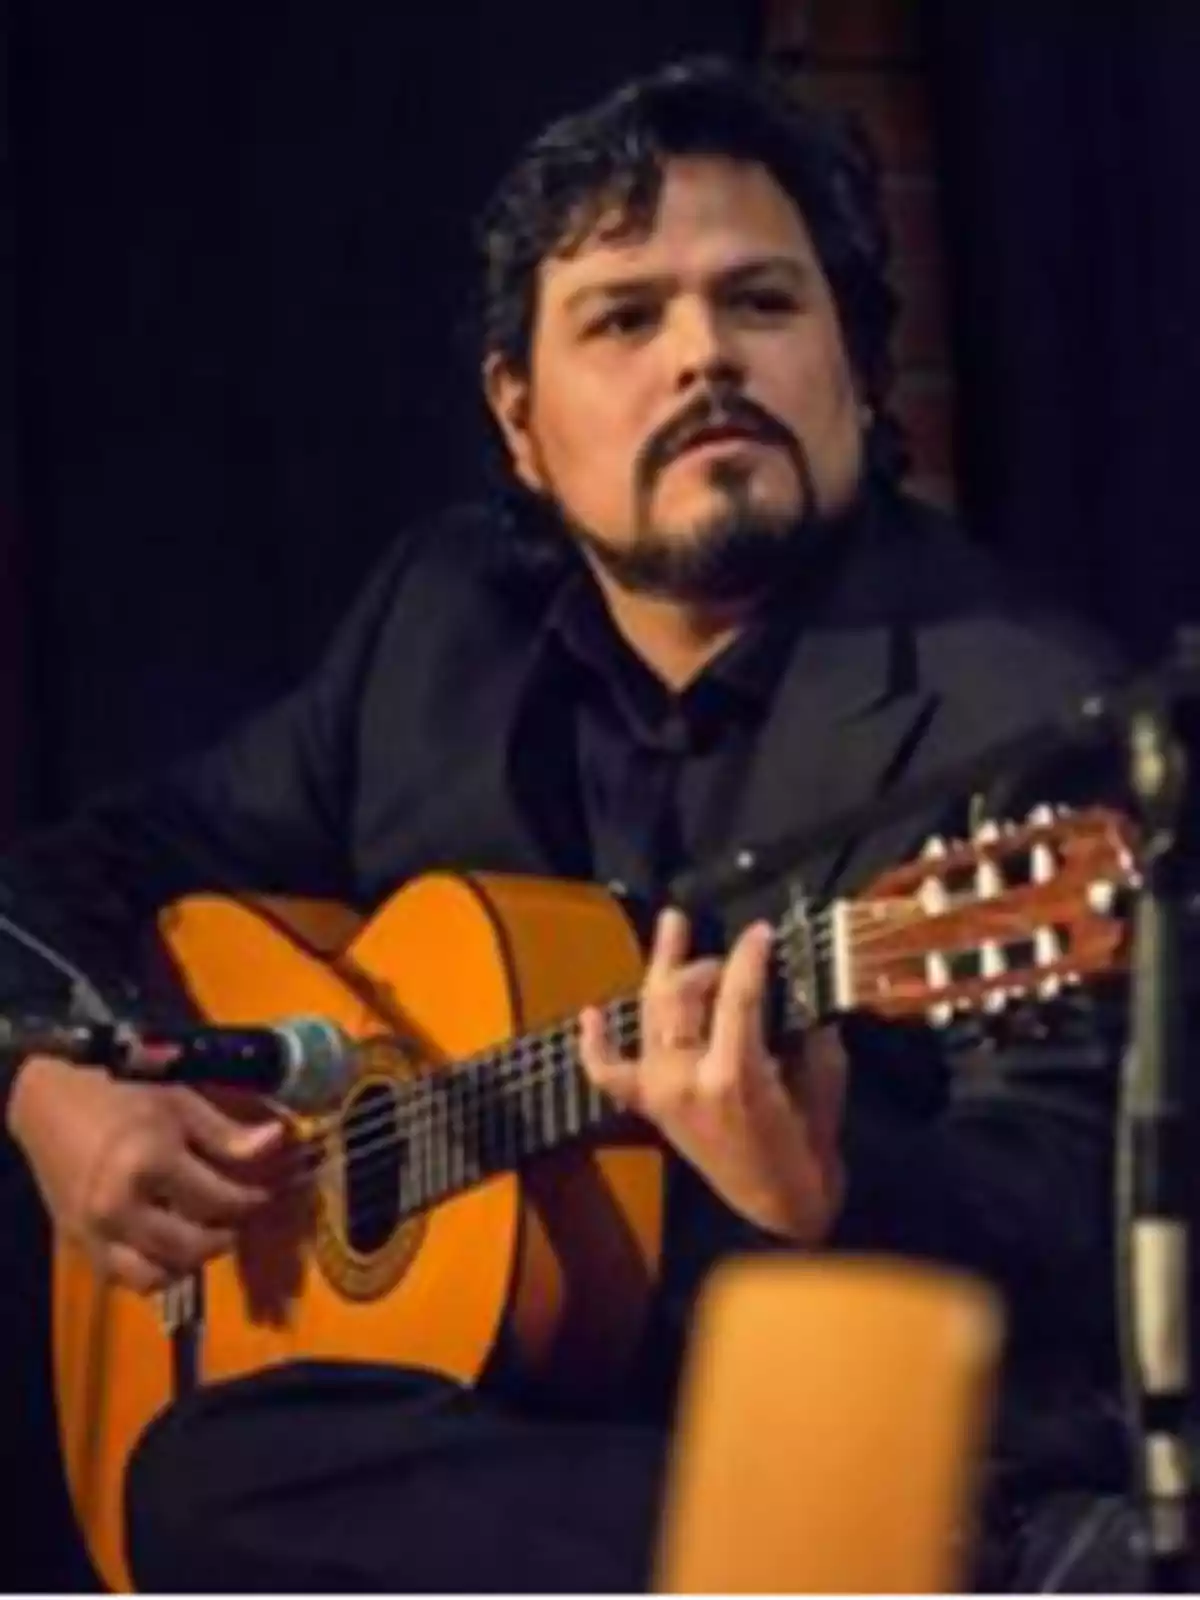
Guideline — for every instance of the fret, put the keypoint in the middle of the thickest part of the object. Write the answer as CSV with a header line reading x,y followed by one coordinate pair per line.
x,y
510,1127
533,1058
572,1073
470,1125
457,1167
420,1150
549,1074
495,1112
513,1085
528,1106
438,1143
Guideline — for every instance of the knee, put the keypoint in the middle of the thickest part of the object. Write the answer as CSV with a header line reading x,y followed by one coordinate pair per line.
x,y
165,1516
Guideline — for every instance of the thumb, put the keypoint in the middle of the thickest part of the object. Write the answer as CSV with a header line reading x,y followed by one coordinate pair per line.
x,y
214,1132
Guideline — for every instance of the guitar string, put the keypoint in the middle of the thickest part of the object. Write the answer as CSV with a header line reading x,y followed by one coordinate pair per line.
x,y
512,1067
527,1074
516,1066
474,1170
511,1061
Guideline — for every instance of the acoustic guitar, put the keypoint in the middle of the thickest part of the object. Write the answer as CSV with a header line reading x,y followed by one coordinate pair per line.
x,y
472,1186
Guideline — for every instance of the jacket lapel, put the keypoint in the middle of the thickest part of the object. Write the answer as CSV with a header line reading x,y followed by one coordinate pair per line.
x,y
845,727
848,722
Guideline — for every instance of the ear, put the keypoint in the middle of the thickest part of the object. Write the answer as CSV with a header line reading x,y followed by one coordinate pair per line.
x,y
508,398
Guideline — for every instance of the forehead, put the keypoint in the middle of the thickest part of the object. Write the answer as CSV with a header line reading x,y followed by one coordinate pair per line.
x,y
712,214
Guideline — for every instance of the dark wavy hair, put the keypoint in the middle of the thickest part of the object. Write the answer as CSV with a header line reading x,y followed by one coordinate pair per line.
x,y
612,155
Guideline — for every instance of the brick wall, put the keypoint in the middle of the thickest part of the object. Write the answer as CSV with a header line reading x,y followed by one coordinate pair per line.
x,y
864,55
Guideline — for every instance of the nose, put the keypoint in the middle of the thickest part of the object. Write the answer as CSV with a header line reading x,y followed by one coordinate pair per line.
x,y
703,352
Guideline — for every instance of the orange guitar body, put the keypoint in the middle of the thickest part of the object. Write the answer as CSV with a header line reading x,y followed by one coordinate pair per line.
x,y
563,1256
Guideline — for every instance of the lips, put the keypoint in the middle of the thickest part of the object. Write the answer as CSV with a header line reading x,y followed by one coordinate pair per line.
x,y
720,435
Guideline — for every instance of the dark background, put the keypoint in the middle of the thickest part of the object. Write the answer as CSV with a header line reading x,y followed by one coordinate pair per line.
x,y
233,254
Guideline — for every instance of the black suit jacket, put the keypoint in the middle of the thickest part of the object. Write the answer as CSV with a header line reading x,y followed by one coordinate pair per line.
x,y
424,738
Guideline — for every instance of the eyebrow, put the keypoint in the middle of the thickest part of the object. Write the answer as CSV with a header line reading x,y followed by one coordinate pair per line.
x,y
729,277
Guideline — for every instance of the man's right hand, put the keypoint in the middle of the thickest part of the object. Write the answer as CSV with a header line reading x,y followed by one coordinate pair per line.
x,y
150,1180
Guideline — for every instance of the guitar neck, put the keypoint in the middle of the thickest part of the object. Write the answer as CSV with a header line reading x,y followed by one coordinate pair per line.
x,y
1021,912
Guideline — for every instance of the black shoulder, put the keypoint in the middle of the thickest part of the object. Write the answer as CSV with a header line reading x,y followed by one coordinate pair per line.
x,y
460,550
970,607
1002,658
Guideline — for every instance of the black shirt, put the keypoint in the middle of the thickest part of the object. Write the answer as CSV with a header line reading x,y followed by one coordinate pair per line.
x,y
658,769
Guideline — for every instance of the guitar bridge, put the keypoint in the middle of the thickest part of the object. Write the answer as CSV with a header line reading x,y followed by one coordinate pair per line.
x,y
181,1312
179,1305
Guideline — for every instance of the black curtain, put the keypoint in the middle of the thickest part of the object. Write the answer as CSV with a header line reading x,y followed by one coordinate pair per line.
x,y
242,263
1067,150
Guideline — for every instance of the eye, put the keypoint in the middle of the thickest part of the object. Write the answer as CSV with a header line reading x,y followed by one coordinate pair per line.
x,y
767,302
624,321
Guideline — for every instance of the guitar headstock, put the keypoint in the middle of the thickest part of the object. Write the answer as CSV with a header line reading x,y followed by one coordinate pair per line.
x,y
1018,913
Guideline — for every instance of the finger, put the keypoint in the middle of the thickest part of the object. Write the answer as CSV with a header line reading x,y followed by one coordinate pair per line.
x,y
677,1013
213,1132
173,1242
121,1263
670,947
605,1068
736,1041
667,952
207,1196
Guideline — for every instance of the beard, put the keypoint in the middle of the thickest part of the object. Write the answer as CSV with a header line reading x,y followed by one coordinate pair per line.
x,y
737,553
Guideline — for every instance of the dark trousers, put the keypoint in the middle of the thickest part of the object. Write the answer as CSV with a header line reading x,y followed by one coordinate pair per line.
x,y
326,1478
316,1478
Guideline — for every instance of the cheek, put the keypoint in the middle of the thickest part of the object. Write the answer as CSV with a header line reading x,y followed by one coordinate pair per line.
x,y
818,379
818,396
585,427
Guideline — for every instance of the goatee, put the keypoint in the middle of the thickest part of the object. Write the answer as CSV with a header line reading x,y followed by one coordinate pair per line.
x,y
738,554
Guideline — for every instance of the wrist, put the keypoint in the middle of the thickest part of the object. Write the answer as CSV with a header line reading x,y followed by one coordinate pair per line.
x,y
23,1089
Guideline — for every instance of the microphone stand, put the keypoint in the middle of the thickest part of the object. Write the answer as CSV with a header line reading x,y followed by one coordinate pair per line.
x,y
1153,1223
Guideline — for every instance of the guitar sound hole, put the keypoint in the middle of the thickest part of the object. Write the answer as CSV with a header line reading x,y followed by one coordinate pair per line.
x,y
374,1164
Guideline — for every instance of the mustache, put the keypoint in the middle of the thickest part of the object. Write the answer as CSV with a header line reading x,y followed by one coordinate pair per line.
x,y
708,411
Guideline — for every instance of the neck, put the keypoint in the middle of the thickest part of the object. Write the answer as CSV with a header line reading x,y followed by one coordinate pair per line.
x,y
675,640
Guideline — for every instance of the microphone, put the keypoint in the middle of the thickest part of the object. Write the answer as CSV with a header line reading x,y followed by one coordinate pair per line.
x,y
304,1063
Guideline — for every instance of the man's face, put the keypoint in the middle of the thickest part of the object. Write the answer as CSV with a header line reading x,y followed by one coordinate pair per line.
x,y
689,398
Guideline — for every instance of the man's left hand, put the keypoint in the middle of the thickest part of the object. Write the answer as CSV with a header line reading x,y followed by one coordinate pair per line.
x,y
763,1134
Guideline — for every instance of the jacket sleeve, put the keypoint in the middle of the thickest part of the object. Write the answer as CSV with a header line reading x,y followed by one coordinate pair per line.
x,y
266,808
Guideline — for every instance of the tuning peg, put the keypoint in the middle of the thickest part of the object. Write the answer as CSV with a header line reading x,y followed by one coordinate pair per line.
x,y
1102,897
1050,988
1041,816
934,846
987,833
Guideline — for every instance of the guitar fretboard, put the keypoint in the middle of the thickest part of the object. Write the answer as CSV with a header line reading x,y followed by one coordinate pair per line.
x,y
454,1128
